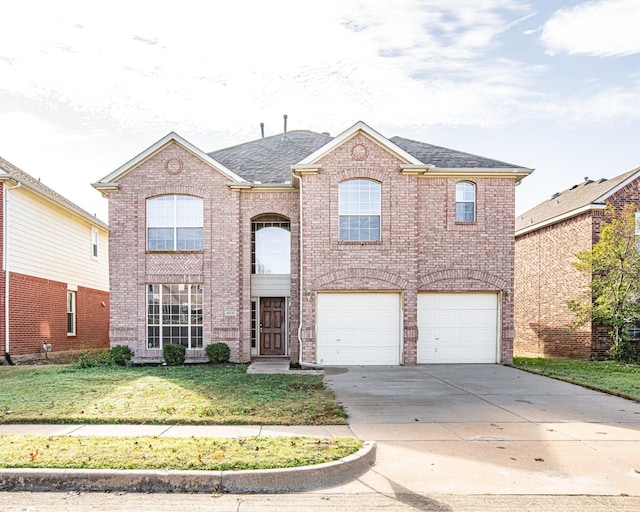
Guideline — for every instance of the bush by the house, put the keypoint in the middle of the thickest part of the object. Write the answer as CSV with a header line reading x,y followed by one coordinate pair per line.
x,y
174,354
218,353
120,355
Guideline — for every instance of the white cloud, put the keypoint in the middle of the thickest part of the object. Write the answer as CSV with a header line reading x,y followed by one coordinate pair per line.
x,y
599,28
206,66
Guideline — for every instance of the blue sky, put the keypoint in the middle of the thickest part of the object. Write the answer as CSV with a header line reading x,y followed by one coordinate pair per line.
x,y
550,85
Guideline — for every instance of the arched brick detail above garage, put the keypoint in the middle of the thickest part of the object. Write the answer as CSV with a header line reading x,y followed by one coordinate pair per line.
x,y
460,278
362,274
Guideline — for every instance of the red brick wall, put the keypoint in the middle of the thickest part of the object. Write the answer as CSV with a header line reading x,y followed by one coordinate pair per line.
x,y
38,315
546,281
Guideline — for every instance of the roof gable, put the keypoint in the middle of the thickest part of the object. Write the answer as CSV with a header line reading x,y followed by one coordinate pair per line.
x,y
578,199
109,182
367,131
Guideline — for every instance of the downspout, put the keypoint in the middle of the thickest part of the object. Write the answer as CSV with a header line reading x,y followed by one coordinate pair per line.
x,y
5,259
301,290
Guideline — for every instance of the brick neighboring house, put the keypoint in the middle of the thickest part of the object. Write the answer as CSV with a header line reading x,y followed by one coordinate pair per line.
x,y
547,239
354,249
54,285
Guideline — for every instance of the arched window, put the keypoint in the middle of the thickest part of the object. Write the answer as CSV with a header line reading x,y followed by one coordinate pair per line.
x,y
174,223
359,210
465,202
271,245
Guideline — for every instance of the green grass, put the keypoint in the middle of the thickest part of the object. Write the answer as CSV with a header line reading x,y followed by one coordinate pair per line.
x,y
206,395
608,376
170,453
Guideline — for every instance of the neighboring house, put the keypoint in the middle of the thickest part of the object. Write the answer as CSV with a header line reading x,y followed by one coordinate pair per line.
x,y
355,249
54,286
547,239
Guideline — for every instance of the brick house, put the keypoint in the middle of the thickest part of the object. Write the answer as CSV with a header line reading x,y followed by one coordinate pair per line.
x,y
354,249
54,285
547,238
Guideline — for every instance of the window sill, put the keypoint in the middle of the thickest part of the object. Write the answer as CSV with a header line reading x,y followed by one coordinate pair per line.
x,y
462,223
359,242
176,252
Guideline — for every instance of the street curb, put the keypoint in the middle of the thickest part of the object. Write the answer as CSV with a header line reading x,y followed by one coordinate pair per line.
x,y
304,478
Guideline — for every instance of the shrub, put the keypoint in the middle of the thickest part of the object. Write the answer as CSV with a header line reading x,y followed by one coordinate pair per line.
x,y
174,354
218,353
121,355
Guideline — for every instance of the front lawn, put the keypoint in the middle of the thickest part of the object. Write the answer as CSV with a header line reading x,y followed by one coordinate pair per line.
x,y
167,453
608,376
206,395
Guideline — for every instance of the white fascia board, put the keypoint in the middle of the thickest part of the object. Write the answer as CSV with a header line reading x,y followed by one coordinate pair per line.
x,y
363,128
560,218
109,181
603,198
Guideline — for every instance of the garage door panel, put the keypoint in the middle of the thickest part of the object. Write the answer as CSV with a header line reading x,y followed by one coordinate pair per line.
x,y
358,328
457,327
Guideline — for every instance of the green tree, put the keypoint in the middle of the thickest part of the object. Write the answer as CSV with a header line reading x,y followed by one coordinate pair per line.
x,y
614,295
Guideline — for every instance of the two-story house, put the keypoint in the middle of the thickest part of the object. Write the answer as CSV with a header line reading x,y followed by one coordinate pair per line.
x,y
354,249
547,238
54,285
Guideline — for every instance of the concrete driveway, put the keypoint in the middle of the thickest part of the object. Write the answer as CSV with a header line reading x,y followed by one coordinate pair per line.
x,y
488,429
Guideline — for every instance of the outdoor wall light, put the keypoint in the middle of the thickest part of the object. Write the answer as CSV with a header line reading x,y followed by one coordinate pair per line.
x,y
508,293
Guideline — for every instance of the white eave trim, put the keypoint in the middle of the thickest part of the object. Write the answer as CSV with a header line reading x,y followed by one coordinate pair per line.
x,y
109,182
360,127
560,218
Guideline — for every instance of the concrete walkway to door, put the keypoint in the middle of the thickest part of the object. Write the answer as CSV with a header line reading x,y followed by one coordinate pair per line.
x,y
488,429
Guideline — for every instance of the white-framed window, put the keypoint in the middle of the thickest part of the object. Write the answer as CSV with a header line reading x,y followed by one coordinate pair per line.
x,y
270,246
95,243
174,223
71,313
174,315
465,202
359,210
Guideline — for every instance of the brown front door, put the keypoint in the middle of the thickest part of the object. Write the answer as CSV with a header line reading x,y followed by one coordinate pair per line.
x,y
272,326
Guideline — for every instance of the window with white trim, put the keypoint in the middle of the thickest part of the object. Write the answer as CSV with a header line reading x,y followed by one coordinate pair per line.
x,y
174,223
71,313
465,202
95,242
174,315
359,210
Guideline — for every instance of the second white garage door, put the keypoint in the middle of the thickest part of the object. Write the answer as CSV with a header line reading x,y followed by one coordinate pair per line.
x,y
457,328
358,328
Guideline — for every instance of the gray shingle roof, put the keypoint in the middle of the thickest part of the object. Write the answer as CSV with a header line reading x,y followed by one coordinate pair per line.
x,y
448,158
269,160
34,184
563,203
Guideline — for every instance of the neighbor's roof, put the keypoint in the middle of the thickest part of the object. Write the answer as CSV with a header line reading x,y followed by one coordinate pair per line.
x,y
578,199
11,172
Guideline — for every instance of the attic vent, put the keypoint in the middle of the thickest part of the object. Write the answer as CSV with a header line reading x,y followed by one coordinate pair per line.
x,y
575,186
602,180
555,195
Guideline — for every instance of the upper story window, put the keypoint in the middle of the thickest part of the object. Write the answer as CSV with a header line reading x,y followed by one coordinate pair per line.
x,y
271,246
465,202
174,223
95,242
359,210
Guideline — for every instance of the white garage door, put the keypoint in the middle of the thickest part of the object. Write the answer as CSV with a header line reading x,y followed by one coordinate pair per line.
x,y
358,328
457,328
